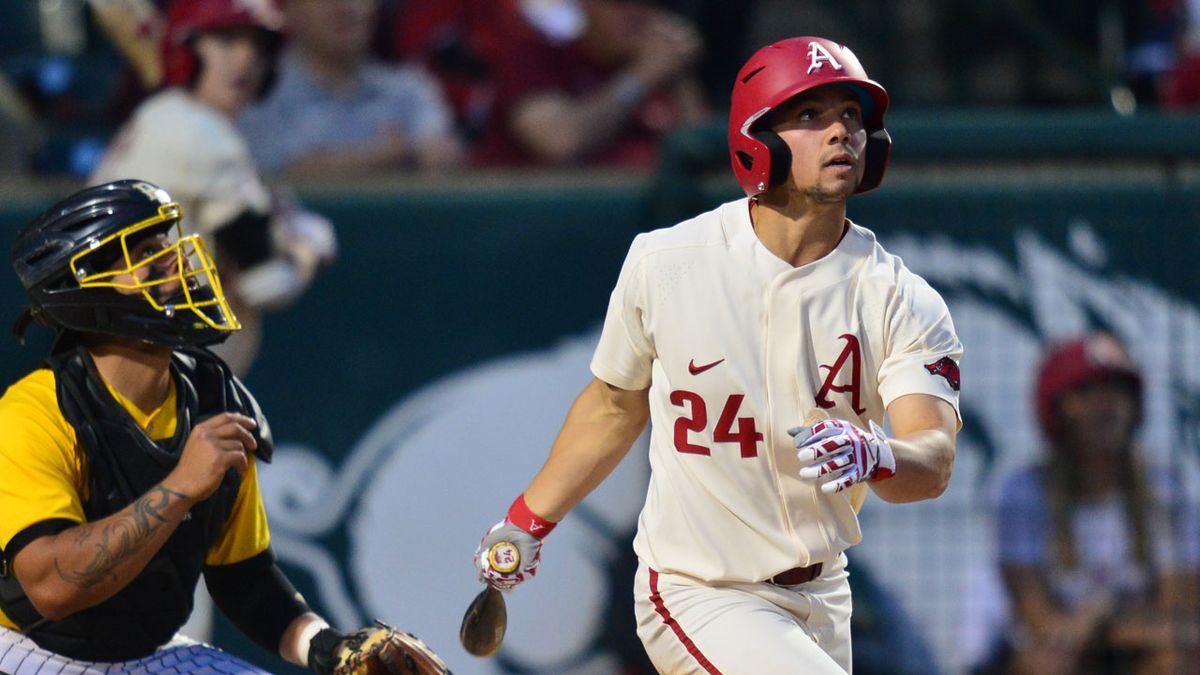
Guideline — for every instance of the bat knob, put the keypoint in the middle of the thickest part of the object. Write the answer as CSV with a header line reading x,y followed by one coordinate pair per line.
x,y
504,557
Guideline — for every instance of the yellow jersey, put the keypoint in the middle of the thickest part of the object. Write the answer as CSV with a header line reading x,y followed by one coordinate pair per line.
x,y
44,470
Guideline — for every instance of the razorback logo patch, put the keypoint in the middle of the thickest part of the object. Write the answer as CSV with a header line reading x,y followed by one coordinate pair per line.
x,y
947,368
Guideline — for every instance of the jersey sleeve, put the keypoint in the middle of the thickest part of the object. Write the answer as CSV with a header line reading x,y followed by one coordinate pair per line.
x,y
625,353
246,533
923,350
41,468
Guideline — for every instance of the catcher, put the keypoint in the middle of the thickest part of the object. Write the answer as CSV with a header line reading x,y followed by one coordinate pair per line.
x,y
130,460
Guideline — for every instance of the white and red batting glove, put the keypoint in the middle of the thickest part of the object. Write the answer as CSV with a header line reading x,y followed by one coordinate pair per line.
x,y
836,454
510,551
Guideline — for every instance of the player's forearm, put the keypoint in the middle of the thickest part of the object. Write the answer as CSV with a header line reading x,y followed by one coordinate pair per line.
x,y
558,129
87,564
924,461
600,428
294,644
1032,608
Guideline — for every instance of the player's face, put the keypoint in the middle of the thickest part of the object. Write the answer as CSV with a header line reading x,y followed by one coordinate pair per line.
x,y
165,267
234,65
824,129
337,30
1098,418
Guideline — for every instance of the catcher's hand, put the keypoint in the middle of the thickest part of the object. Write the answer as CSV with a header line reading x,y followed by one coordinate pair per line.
x,y
375,650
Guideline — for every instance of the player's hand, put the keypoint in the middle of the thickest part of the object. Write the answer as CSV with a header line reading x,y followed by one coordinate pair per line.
x,y
836,454
215,446
375,650
510,551
667,45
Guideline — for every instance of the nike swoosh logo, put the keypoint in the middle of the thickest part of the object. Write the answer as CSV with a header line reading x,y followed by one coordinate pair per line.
x,y
696,370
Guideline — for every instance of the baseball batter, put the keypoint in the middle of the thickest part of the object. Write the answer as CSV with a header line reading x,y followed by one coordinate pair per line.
x,y
727,332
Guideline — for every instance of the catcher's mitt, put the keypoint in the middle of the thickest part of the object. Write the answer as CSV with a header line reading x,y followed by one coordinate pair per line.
x,y
378,650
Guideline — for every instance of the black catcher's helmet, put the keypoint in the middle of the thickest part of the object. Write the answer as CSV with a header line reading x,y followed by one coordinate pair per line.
x,y
76,264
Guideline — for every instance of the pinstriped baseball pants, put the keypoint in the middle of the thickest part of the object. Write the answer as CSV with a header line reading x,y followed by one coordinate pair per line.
x,y
20,656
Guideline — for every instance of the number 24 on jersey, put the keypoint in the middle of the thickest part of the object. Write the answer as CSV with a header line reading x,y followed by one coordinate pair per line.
x,y
730,427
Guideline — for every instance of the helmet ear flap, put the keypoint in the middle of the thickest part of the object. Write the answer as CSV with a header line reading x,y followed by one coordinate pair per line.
x,y
779,156
879,146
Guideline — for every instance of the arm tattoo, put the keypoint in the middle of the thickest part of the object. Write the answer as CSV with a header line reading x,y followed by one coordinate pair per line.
x,y
115,538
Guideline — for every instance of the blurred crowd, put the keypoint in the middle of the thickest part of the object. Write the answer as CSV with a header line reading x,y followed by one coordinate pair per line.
x,y
365,86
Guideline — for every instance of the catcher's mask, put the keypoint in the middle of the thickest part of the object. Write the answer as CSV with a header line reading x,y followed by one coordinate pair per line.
x,y
779,72
113,260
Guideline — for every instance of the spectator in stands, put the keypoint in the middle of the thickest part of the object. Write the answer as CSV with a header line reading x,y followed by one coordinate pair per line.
x,y
218,56
589,81
454,39
345,113
1180,88
1100,555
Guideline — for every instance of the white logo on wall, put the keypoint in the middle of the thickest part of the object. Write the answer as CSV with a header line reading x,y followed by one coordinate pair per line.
x,y
442,466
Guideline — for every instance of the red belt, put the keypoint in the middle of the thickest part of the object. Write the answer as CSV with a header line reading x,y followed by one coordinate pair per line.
x,y
797,575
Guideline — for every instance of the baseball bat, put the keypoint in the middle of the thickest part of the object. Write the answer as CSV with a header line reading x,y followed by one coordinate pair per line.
x,y
486,618
135,28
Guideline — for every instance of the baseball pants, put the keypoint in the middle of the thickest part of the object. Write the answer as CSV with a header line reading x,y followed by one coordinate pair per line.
x,y
690,627
20,656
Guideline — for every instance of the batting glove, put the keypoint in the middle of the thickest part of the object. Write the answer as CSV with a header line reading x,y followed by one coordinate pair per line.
x,y
836,454
510,551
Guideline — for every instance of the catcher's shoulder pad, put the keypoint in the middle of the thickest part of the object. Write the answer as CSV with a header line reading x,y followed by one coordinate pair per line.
x,y
385,650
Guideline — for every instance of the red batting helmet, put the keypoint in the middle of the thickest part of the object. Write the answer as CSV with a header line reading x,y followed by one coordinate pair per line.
x,y
1074,363
776,73
187,18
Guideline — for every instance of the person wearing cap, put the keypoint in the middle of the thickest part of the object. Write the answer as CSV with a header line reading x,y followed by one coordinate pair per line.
x,y
1099,552
348,115
765,341
218,57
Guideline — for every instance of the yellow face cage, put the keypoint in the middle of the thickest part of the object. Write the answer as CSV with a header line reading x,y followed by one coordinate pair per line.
x,y
192,270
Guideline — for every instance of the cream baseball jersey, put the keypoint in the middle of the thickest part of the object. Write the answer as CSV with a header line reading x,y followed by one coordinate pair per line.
x,y
737,346
193,152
